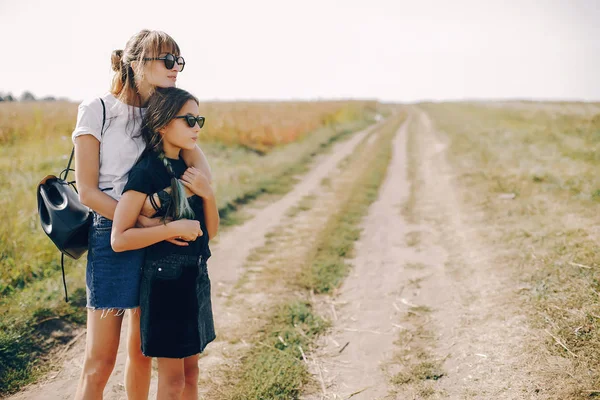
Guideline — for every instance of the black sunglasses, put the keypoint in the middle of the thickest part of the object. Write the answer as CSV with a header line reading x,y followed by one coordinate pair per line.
x,y
191,120
170,61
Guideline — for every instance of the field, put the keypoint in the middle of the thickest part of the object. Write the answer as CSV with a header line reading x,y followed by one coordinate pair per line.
x,y
253,149
529,174
447,251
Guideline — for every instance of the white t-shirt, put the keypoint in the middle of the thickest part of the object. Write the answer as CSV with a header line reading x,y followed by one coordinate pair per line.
x,y
120,144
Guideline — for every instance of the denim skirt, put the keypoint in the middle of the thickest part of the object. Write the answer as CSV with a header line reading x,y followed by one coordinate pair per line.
x,y
112,279
176,311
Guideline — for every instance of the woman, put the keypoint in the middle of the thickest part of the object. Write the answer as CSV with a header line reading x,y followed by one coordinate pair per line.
x,y
108,142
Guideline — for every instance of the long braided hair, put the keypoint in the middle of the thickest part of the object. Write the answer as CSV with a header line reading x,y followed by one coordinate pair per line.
x,y
163,105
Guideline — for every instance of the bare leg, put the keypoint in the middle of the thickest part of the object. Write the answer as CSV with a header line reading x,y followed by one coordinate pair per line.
x,y
102,343
191,371
138,368
171,379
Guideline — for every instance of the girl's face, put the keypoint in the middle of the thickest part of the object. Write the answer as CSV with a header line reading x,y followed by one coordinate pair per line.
x,y
178,134
156,73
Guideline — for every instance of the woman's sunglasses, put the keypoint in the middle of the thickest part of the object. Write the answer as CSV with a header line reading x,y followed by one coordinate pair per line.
x,y
191,120
170,61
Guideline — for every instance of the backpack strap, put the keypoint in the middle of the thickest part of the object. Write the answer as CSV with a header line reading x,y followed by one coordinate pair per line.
x,y
63,176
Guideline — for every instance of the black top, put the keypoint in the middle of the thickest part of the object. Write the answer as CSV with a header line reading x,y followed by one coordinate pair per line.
x,y
149,176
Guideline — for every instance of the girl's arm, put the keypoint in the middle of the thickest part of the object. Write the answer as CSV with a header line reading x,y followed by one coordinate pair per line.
x,y
192,158
125,236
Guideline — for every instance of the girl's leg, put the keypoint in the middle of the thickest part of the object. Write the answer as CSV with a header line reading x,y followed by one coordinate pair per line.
x,y
102,343
171,379
138,368
191,371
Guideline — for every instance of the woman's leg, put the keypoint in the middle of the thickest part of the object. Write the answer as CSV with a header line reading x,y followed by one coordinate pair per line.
x,y
138,367
171,379
191,371
102,343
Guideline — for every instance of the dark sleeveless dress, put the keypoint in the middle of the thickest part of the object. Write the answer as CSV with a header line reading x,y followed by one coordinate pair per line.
x,y
176,309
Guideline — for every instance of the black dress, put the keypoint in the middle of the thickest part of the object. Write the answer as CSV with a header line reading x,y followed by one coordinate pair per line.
x,y
176,310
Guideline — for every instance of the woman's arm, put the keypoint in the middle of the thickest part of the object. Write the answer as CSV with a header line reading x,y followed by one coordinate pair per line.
x,y
198,184
196,158
211,216
87,166
125,236
192,158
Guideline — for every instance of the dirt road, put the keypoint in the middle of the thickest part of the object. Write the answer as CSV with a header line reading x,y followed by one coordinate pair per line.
x,y
427,311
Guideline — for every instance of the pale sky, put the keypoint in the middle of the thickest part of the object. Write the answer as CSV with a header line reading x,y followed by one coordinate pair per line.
x,y
391,50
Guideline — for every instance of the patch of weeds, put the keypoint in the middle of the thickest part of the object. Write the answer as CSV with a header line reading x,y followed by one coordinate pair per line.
x,y
305,204
27,341
420,309
416,282
274,368
415,265
413,239
422,371
409,207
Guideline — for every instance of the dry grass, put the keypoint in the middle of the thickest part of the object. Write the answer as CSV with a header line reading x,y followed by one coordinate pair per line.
x,y
259,126
263,126
35,141
414,369
530,170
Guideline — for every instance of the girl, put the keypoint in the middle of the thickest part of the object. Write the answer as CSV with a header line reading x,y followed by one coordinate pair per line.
x,y
107,144
176,320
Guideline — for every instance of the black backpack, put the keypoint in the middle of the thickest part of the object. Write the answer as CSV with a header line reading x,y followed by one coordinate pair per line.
x,y
63,218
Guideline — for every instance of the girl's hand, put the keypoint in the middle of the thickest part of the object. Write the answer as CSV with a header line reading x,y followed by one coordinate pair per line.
x,y
186,229
196,182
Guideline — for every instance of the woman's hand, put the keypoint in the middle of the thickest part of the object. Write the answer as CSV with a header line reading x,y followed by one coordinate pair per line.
x,y
186,229
196,182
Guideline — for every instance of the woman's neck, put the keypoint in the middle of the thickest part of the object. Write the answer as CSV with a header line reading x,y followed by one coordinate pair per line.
x,y
138,99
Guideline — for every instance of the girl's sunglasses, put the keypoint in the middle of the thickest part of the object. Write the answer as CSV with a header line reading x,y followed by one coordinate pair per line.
x,y
170,61
191,120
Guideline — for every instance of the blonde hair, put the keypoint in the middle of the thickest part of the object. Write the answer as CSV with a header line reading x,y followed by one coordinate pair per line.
x,y
144,44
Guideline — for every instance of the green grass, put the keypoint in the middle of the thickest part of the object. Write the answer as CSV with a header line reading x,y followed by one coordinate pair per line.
x,y
30,269
329,267
274,368
27,337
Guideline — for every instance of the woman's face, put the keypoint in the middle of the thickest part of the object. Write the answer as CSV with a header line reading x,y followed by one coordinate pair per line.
x,y
178,133
156,73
